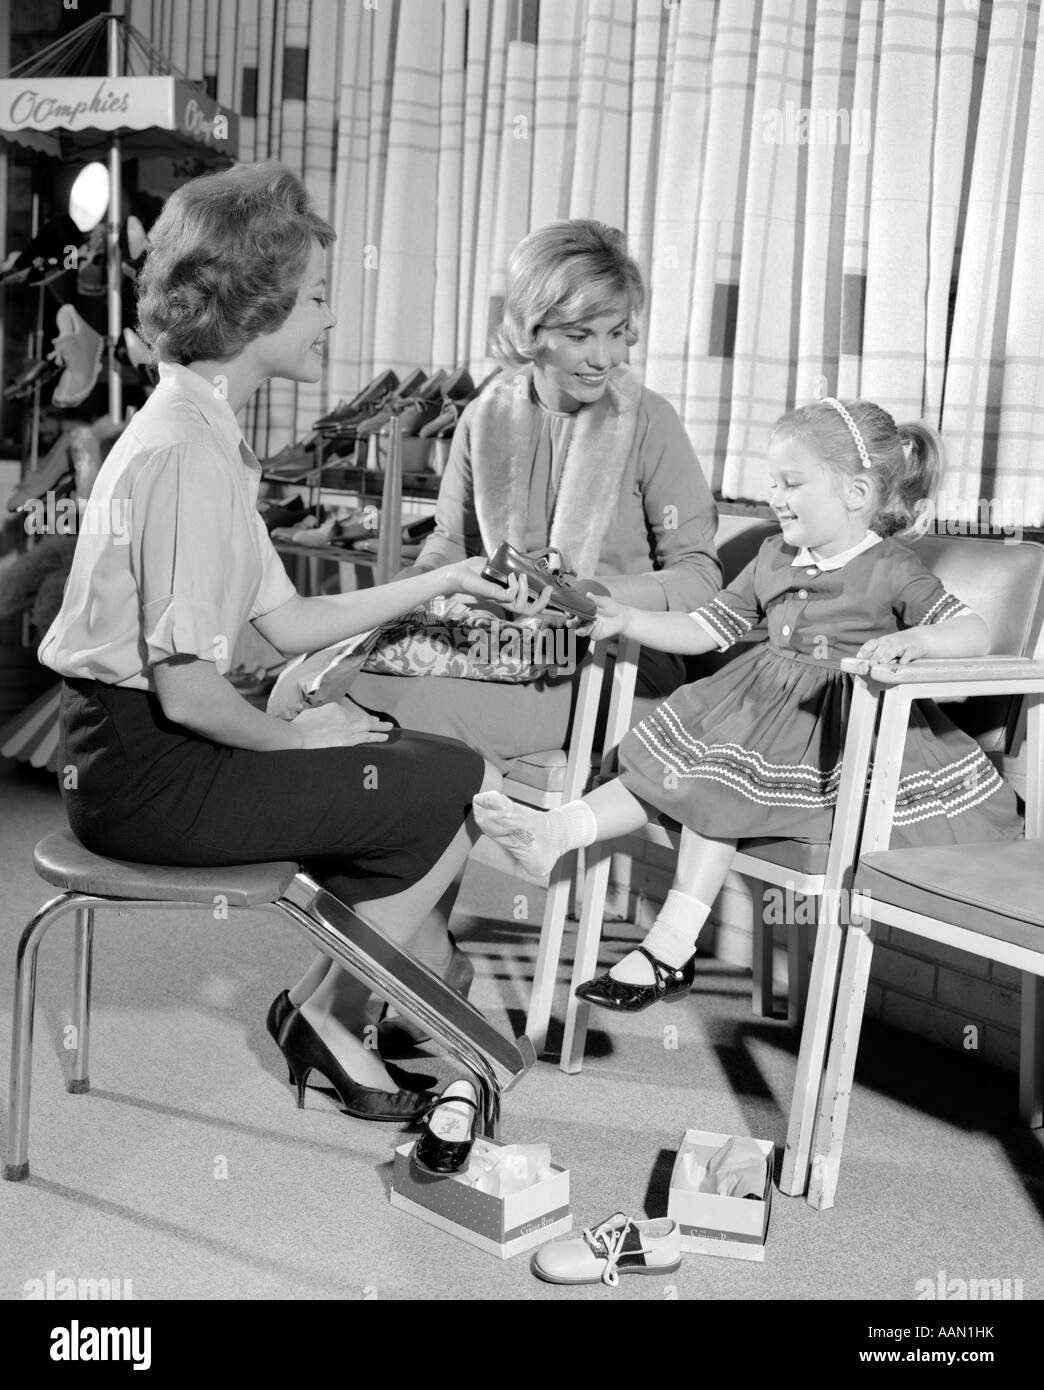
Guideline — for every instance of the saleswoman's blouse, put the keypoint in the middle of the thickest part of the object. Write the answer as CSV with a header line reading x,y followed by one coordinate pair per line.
x,y
172,557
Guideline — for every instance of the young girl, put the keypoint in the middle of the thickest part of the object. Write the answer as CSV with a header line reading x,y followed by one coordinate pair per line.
x,y
755,750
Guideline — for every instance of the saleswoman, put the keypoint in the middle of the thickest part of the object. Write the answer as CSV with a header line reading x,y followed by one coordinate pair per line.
x,y
172,765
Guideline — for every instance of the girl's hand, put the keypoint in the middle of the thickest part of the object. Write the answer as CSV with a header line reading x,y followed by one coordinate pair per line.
x,y
333,726
611,618
898,647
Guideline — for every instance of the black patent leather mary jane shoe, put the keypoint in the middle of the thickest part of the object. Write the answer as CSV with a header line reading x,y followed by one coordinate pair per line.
x,y
568,595
669,987
448,1134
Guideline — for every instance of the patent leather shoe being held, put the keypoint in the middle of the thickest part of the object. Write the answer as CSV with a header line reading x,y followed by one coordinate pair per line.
x,y
669,987
566,597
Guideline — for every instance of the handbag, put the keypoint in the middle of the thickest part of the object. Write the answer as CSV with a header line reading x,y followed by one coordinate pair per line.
x,y
470,644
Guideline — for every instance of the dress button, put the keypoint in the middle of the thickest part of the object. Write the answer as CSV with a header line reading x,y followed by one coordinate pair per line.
x,y
786,630
802,593
813,573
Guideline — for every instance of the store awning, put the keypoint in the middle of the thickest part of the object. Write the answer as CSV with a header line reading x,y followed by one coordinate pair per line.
x,y
68,116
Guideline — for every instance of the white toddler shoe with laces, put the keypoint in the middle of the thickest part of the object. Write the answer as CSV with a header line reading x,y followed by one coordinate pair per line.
x,y
615,1246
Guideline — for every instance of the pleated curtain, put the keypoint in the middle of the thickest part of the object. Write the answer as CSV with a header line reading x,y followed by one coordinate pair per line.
x,y
844,197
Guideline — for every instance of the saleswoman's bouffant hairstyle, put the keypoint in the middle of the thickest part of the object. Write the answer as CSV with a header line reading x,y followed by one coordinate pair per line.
x,y
227,255
905,461
559,275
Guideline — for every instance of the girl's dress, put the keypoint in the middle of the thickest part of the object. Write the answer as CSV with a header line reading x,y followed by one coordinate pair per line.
x,y
755,749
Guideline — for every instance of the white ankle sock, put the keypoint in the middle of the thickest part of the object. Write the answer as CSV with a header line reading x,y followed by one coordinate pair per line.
x,y
572,826
672,937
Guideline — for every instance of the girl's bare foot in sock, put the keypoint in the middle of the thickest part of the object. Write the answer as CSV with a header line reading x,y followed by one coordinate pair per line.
x,y
520,830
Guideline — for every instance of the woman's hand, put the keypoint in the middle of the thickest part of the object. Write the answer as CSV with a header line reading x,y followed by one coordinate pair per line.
x,y
333,726
898,647
610,620
465,577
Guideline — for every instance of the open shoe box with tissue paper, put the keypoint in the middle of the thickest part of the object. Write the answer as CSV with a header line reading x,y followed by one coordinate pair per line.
x,y
511,1197
707,1168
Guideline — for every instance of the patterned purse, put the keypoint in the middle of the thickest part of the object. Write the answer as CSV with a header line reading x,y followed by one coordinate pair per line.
x,y
475,646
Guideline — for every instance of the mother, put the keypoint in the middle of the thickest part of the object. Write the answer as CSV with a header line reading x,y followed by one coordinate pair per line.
x,y
172,765
569,449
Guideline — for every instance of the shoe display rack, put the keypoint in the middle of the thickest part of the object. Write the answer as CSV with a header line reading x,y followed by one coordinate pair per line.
x,y
381,450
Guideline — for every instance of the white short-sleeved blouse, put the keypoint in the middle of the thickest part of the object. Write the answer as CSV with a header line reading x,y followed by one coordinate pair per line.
x,y
172,556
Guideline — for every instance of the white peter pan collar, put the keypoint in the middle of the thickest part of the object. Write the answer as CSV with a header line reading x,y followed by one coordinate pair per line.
x,y
836,562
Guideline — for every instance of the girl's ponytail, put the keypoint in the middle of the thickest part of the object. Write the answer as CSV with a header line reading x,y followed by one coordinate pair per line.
x,y
910,506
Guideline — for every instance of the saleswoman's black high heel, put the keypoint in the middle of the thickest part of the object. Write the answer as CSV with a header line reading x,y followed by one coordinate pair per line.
x,y
279,1012
305,1050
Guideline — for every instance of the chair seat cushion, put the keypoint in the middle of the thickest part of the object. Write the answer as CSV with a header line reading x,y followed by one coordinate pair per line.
x,y
994,889
803,856
60,859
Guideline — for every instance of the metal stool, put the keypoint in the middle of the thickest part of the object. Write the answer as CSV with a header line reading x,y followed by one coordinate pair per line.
x,y
91,882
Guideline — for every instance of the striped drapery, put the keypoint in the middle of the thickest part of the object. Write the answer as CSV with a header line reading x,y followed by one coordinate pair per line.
x,y
826,196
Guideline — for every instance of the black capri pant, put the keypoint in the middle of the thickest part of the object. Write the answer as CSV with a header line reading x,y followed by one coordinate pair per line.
x,y
367,821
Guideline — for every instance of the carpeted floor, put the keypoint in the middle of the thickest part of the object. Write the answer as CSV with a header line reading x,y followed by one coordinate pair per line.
x,y
189,1172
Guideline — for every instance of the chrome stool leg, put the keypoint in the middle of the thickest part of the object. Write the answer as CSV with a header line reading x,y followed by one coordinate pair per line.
x,y
78,1080
16,1161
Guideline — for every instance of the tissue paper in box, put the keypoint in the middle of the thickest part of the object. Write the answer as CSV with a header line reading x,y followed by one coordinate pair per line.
x,y
503,1226
713,1225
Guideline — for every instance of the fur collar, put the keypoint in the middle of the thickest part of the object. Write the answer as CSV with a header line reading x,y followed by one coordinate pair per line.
x,y
505,427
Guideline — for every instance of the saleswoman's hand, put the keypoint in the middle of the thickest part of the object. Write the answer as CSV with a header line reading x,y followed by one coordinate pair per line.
x,y
333,726
465,577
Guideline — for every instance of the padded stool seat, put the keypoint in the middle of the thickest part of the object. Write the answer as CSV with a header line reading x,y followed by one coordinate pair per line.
x,y
545,771
61,860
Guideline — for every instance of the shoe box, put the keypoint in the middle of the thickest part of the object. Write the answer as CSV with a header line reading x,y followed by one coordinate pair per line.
x,y
735,1227
501,1225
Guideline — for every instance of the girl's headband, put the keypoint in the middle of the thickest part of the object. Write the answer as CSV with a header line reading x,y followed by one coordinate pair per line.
x,y
853,428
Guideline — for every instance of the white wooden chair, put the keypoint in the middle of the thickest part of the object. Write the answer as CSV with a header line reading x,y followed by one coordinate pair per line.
x,y
984,899
1004,585
545,780
554,777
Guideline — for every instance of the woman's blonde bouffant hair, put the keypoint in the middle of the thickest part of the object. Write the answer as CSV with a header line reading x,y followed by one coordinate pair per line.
x,y
905,460
559,275
226,258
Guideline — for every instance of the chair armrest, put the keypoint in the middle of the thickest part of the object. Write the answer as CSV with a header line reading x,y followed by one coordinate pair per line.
x,y
965,670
